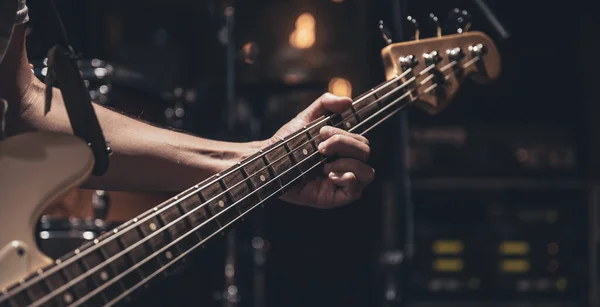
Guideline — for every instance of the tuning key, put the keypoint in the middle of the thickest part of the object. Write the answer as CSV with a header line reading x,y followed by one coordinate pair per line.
x,y
413,21
454,54
385,32
477,50
409,61
436,22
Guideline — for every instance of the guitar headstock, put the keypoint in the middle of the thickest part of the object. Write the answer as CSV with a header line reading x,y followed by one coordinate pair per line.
x,y
441,64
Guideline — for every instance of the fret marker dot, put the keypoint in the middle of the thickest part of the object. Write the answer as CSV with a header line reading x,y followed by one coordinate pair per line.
x,y
68,298
96,241
305,151
155,209
115,230
104,275
348,125
262,178
176,197
77,251
152,226
221,203
168,255
58,261
40,271
135,220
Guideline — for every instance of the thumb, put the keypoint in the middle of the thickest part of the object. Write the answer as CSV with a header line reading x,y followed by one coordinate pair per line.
x,y
326,103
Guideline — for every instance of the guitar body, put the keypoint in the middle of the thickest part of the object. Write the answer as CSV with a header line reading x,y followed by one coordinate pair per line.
x,y
36,169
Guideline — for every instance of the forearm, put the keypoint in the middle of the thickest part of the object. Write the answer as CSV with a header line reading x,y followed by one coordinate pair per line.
x,y
145,157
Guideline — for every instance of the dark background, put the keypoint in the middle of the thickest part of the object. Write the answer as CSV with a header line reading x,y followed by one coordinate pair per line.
x,y
329,258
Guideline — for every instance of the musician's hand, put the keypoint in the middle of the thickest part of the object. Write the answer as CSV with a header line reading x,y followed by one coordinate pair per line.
x,y
346,177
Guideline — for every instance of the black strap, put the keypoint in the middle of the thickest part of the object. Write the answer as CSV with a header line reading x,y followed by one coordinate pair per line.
x,y
63,69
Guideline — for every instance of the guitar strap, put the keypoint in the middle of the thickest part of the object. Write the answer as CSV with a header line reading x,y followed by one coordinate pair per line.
x,y
64,72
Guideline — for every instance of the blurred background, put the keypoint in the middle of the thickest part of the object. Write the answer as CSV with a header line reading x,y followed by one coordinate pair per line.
x,y
503,207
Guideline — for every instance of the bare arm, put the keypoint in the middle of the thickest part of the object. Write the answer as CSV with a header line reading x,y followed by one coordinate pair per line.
x,y
148,158
145,157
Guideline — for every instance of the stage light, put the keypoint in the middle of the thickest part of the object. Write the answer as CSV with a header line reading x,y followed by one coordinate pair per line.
x,y
340,87
303,36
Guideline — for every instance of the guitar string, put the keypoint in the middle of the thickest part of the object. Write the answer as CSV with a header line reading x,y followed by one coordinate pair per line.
x,y
191,191
214,217
118,277
179,198
158,271
166,227
142,282
304,130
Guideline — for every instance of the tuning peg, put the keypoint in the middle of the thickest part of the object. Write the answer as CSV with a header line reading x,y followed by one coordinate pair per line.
x,y
385,32
461,19
436,22
416,25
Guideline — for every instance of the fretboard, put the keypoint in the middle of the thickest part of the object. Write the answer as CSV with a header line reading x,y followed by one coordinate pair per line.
x,y
111,268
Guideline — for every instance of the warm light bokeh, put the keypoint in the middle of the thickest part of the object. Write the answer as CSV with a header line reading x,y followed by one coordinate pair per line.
x,y
340,87
303,36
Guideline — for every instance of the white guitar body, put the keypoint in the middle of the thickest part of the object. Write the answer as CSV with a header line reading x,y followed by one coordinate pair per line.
x,y
36,169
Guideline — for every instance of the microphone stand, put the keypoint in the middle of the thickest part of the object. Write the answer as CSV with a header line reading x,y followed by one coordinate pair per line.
x,y
231,291
396,259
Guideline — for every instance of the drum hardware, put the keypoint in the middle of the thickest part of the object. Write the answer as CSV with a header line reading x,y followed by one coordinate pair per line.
x,y
56,236
100,203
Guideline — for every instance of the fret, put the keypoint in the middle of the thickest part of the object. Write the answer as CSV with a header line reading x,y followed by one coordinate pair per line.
x,y
302,149
36,290
294,160
53,282
381,91
219,202
314,135
80,288
239,188
155,242
20,299
120,264
260,176
138,253
178,229
368,107
198,217
282,165
93,259
151,226
351,119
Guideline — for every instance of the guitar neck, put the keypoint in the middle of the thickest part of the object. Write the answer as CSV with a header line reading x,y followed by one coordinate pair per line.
x,y
110,268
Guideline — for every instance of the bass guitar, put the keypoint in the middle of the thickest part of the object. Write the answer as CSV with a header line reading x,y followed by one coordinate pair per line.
x,y
37,168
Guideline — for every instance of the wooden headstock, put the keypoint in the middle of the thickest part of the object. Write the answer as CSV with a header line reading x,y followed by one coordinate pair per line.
x,y
441,64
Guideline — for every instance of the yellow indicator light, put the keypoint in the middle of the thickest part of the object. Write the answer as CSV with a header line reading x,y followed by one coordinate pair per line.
x,y
514,266
448,247
561,284
448,265
514,248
